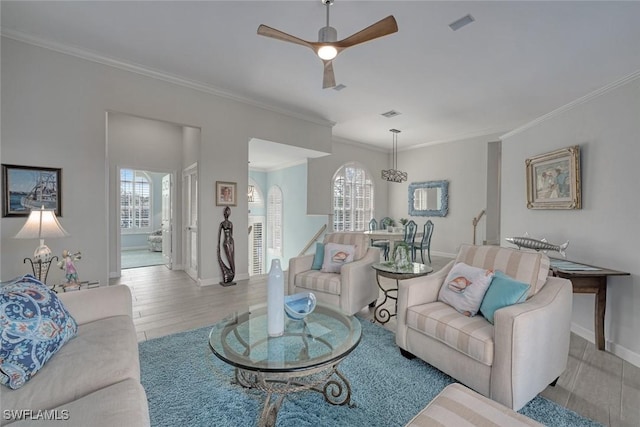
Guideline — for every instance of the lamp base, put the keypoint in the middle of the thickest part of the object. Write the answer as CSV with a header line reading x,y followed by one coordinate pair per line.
x,y
42,254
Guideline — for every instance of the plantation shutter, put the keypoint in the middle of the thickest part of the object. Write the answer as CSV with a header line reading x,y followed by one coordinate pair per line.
x,y
352,198
274,220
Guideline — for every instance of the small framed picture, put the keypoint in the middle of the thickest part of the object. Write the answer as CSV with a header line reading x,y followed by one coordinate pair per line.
x,y
553,180
226,193
28,187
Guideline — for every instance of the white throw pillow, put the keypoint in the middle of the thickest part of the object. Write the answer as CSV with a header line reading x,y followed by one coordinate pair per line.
x,y
464,288
335,256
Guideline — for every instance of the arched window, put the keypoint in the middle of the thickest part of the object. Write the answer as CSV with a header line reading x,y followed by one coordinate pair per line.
x,y
274,221
135,200
352,198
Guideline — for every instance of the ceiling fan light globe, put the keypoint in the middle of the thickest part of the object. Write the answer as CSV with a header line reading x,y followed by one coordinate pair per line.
x,y
327,52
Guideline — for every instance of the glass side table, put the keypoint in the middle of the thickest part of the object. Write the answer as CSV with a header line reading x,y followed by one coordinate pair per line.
x,y
389,270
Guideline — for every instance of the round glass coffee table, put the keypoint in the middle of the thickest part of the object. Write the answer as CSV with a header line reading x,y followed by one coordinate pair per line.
x,y
305,357
388,269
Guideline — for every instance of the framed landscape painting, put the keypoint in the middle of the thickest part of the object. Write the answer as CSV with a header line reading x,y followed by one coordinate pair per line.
x,y
28,187
553,180
226,193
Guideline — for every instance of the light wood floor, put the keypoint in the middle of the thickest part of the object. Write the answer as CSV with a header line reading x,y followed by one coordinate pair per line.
x,y
596,384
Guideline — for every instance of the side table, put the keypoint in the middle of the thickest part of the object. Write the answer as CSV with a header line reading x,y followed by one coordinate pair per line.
x,y
389,270
588,279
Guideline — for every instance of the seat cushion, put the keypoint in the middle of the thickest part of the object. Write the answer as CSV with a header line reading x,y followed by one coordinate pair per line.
x,y
359,240
527,267
472,336
123,404
315,280
103,353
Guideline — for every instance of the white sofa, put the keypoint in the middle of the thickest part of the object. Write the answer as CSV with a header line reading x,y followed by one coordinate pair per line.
x,y
351,289
94,380
511,361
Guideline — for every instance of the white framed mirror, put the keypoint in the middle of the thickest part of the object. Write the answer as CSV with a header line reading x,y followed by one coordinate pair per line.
x,y
429,198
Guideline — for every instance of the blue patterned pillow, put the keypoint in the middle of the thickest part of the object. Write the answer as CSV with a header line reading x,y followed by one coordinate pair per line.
x,y
34,325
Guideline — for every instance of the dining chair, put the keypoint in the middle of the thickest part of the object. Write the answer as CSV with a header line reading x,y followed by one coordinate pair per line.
x,y
379,243
410,230
425,243
385,222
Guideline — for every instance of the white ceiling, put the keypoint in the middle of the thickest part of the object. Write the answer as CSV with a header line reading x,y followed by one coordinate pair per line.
x,y
518,61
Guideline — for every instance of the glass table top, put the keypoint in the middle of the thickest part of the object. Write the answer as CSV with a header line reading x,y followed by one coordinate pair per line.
x,y
324,336
415,268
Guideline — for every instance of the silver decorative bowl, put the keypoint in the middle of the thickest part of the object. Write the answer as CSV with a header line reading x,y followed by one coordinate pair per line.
x,y
297,306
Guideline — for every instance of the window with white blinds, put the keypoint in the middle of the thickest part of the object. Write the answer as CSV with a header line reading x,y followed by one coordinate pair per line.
x,y
352,198
274,221
256,250
135,200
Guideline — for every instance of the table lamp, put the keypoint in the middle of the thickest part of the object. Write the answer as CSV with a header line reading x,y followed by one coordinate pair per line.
x,y
40,224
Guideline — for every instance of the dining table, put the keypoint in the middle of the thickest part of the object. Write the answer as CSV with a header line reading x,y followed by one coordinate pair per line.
x,y
392,237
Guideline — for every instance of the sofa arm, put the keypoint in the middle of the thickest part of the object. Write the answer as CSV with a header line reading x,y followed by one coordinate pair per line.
x,y
422,290
359,287
99,303
297,265
531,342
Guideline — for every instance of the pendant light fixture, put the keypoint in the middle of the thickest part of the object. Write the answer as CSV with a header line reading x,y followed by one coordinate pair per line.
x,y
393,174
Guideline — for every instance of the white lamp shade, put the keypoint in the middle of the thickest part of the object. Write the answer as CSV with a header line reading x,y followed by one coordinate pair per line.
x,y
42,223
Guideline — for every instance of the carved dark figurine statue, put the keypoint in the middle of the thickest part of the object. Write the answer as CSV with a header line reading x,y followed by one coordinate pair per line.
x,y
225,238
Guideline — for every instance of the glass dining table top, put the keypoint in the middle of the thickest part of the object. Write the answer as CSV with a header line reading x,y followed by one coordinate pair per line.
x,y
324,336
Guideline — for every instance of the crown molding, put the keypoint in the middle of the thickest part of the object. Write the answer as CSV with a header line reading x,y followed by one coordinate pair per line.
x,y
586,98
357,144
490,132
155,74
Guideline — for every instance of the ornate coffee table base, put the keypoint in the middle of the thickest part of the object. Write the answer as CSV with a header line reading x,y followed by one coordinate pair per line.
x,y
329,381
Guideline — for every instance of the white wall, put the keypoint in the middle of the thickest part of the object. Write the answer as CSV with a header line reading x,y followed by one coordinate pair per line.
x,y
53,114
322,169
606,231
464,164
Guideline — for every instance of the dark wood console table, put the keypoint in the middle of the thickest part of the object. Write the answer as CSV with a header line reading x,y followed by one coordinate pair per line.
x,y
588,279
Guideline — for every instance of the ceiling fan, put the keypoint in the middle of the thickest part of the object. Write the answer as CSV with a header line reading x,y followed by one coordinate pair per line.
x,y
328,46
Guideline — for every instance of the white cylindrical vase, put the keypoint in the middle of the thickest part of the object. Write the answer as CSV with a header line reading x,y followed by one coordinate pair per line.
x,y
275,300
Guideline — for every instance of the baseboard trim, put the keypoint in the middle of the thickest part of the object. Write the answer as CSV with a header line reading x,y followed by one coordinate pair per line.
x,y
617,349
444,254
216,280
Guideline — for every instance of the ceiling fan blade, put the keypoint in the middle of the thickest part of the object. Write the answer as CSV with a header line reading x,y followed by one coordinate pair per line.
x,y
329,78
266,31
381,28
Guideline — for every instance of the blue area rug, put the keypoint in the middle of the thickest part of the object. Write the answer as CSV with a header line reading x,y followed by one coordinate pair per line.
x,y
187,385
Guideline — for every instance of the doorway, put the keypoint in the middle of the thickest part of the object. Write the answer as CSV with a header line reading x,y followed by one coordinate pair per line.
x,y
145,218
190,220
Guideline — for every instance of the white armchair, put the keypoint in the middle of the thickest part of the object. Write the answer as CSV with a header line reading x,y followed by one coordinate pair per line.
x,y
351,289
511,361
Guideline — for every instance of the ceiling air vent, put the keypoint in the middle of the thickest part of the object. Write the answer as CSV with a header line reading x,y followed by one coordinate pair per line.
x,y
339,87
465,20
390,114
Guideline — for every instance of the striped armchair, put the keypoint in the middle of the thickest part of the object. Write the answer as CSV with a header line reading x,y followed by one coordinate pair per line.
x,y
510,361
352,288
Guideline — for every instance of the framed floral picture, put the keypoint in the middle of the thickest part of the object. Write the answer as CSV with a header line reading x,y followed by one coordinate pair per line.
x,y
226,193
553,180
28,187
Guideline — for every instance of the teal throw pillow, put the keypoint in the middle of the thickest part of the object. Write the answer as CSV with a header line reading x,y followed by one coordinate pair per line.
x,y
502,292
35,325
318,258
